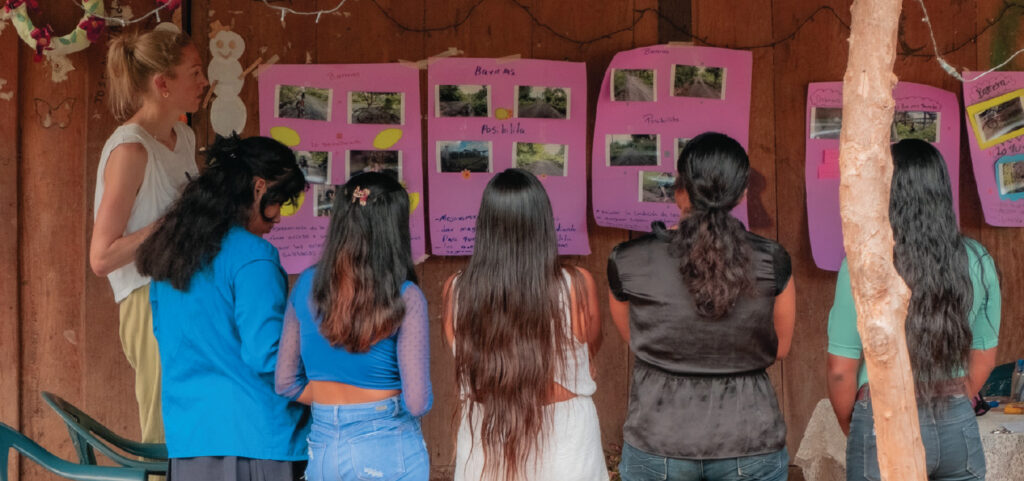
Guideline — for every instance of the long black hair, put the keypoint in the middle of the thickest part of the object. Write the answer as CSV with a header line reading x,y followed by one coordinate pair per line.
x,y
366,258
509,320
931,256
714,255
189,235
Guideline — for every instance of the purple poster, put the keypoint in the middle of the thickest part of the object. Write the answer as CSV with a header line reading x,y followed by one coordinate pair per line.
x,y
652,101
487,115
341,120
922,112
995,119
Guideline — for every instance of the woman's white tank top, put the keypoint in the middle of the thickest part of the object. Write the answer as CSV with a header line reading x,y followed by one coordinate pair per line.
x,y
167,172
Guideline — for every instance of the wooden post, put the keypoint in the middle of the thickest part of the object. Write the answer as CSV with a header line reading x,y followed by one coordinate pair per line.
x,y
880,295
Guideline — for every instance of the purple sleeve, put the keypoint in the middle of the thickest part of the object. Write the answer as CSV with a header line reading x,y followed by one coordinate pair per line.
x,y
414,353
290,375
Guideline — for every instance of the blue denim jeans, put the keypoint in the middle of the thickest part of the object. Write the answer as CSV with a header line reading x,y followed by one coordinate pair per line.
x,y
952,444
378,441
637,465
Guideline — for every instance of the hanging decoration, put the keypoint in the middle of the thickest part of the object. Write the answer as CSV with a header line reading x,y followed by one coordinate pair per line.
x,y
42,39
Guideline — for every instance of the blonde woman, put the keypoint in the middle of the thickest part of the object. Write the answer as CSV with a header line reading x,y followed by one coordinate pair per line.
x,y
155,78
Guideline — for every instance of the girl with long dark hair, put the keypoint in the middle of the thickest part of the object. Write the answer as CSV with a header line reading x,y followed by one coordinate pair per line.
x,y
154,79
705,308
524,329
952,325
356,341
218,297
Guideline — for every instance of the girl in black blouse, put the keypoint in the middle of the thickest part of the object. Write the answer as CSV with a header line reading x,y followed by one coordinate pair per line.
x,y
706,308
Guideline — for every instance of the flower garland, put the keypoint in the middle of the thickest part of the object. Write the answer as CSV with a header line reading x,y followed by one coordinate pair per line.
x,y
87,31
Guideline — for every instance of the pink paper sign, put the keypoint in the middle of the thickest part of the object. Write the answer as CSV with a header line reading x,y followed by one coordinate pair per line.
x,y
1000,210
922,112
487,115
342,120
652,101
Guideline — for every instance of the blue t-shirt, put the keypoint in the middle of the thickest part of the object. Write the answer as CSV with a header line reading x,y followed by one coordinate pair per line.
x,y
218,347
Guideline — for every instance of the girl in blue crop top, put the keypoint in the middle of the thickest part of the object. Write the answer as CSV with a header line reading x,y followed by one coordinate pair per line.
x,y
356,341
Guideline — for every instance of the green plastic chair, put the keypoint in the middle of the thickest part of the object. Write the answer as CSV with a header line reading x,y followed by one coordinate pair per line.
x,y
12,439
87,433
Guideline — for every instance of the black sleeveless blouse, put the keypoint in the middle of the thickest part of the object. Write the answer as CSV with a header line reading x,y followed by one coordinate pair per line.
x,y
699,387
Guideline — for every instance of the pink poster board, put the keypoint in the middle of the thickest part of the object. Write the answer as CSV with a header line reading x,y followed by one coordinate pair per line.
x,y
652,100
999,202
487,115
922,111
342,120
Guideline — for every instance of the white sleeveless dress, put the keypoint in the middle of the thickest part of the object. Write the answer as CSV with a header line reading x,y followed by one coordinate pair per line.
x,y
571,450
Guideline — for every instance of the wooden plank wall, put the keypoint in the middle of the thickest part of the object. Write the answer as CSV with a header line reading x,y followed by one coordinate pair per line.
x,y
58,322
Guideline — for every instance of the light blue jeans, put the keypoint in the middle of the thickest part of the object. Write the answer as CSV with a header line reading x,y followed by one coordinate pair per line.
x,y
952,443
638,465
378,441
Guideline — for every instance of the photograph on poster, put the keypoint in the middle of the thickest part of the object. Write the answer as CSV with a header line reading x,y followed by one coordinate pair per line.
x,y
1010,176
998,120
632,149
542,102
323,194
698,81
305,103
826,122
541,159
634,85
315,166
384,161
915,124
462,101
680,145
460,155
376,108
657,187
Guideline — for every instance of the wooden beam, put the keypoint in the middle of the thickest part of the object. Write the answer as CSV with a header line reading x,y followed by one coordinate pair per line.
x,y
880,295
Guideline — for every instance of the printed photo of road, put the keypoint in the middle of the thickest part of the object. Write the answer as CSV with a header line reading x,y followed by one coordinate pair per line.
x,y
541,159
657,187
315,166
307,103
826,122
698,81
542,103
460,155
633,85
914,124
636,149
387,162
463,101
999,120
375,108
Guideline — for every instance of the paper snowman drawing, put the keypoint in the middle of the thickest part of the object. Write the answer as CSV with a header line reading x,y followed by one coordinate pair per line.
x,y
227,113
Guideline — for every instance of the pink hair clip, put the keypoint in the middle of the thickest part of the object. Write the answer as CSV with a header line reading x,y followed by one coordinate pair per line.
x,y
360,194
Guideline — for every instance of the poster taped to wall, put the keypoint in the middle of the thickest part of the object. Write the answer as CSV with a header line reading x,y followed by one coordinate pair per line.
x,y
487,115
995,115
652,101
342,120
922,112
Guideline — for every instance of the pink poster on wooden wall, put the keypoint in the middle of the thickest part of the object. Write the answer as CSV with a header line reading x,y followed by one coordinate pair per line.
x,y
995,132
487,115
922,112
342,120
652,101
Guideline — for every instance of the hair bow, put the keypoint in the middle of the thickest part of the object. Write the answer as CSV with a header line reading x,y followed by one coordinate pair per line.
x,y
360,194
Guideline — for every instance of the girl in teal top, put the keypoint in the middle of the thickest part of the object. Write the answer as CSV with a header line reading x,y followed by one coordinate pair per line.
x,y
218,298
952,325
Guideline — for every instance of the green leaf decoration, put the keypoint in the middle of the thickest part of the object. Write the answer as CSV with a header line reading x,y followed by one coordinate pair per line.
x,y
64,41
74,35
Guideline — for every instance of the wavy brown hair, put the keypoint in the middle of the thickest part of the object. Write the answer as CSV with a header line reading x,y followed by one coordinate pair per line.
x,y
711,244
366,258
509,321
